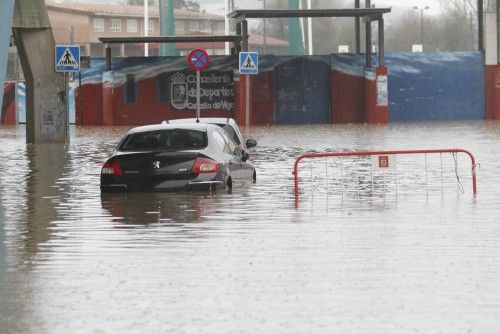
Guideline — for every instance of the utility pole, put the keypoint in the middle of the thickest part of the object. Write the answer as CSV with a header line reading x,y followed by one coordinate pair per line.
x,y
421,23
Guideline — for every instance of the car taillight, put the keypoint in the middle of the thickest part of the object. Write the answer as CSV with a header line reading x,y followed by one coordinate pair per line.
x,y
112,168
204,165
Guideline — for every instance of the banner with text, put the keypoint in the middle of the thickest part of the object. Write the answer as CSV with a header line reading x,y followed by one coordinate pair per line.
x,y
216,90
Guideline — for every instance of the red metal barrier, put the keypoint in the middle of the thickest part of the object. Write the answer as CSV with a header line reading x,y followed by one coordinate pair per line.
x,y
370,153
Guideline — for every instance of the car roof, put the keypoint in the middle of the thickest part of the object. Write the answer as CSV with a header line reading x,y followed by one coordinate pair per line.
x,y
204,120
164,126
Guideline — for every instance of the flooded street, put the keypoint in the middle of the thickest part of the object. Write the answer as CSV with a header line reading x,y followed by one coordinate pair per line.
x,y
74,261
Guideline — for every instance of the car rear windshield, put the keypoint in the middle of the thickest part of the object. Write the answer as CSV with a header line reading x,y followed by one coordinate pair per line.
x,y
165,140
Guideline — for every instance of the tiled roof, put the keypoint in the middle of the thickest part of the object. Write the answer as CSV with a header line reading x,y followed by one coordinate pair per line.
x,y
121,10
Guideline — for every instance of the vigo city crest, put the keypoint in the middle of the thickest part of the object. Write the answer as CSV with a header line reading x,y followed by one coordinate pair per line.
x,y
179,91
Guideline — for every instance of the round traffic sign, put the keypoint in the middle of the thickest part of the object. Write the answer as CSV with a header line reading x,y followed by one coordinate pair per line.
x,y
198,59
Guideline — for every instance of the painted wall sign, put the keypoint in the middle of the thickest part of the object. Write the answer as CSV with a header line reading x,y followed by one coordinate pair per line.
x,y
382,92
217,91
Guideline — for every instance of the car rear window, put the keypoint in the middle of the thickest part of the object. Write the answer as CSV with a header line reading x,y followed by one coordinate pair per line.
x,y
165,140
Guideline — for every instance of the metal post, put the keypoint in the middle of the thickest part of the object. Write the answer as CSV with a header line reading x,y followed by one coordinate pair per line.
x,y
247,100
66,97
198,96
309,30
244,33
80,98
146,27
357,23
422,27
480,25
71,30
108,58
264,23
244,47
381,60
238,32
368,37
226,26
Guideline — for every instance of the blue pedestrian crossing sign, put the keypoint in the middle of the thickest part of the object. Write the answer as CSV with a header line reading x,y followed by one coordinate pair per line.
x,y
249,63
67,58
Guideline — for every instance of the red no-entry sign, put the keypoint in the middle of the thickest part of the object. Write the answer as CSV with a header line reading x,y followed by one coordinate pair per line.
x,y
198,59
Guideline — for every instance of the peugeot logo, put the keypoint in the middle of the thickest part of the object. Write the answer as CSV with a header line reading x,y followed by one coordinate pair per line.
x,y
156,164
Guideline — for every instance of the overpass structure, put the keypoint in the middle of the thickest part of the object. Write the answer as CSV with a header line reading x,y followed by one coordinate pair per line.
x,y
46,111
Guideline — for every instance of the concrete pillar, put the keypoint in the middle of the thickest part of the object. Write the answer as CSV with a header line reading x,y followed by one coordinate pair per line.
x,y
46,112
7,9
167,27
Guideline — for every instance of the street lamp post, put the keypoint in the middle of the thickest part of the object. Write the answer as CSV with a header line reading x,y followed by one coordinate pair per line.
x,y
421,22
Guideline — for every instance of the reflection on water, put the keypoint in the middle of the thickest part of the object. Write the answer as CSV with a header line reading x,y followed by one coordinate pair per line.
x,y
75,260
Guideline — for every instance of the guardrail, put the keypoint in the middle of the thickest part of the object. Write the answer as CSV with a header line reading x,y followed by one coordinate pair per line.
x,y
383,162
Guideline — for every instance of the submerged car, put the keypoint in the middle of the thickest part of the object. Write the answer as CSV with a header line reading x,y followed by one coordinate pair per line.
x,y
175,157
228,124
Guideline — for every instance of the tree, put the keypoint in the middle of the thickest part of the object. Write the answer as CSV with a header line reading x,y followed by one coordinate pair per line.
x,y
490,5
459,25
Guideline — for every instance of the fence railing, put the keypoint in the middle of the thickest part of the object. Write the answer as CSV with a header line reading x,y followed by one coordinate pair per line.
x,y
384,161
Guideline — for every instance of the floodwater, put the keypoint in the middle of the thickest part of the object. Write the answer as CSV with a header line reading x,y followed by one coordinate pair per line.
x,y
72,261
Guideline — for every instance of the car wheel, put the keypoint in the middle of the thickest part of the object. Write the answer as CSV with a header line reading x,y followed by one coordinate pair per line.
x,y
254,177
229,185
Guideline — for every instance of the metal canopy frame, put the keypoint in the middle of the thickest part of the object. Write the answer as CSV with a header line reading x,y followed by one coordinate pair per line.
x,y
171,39
369,15
243,14
235,39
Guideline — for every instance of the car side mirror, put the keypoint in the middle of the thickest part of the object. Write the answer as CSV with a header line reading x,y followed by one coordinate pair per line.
x,y
244,156
251,143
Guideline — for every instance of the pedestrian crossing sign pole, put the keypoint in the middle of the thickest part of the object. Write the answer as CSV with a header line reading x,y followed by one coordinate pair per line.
x,y
249,63
67,58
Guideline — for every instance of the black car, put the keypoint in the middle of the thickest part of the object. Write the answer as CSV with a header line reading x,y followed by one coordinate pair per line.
x,y
174,157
